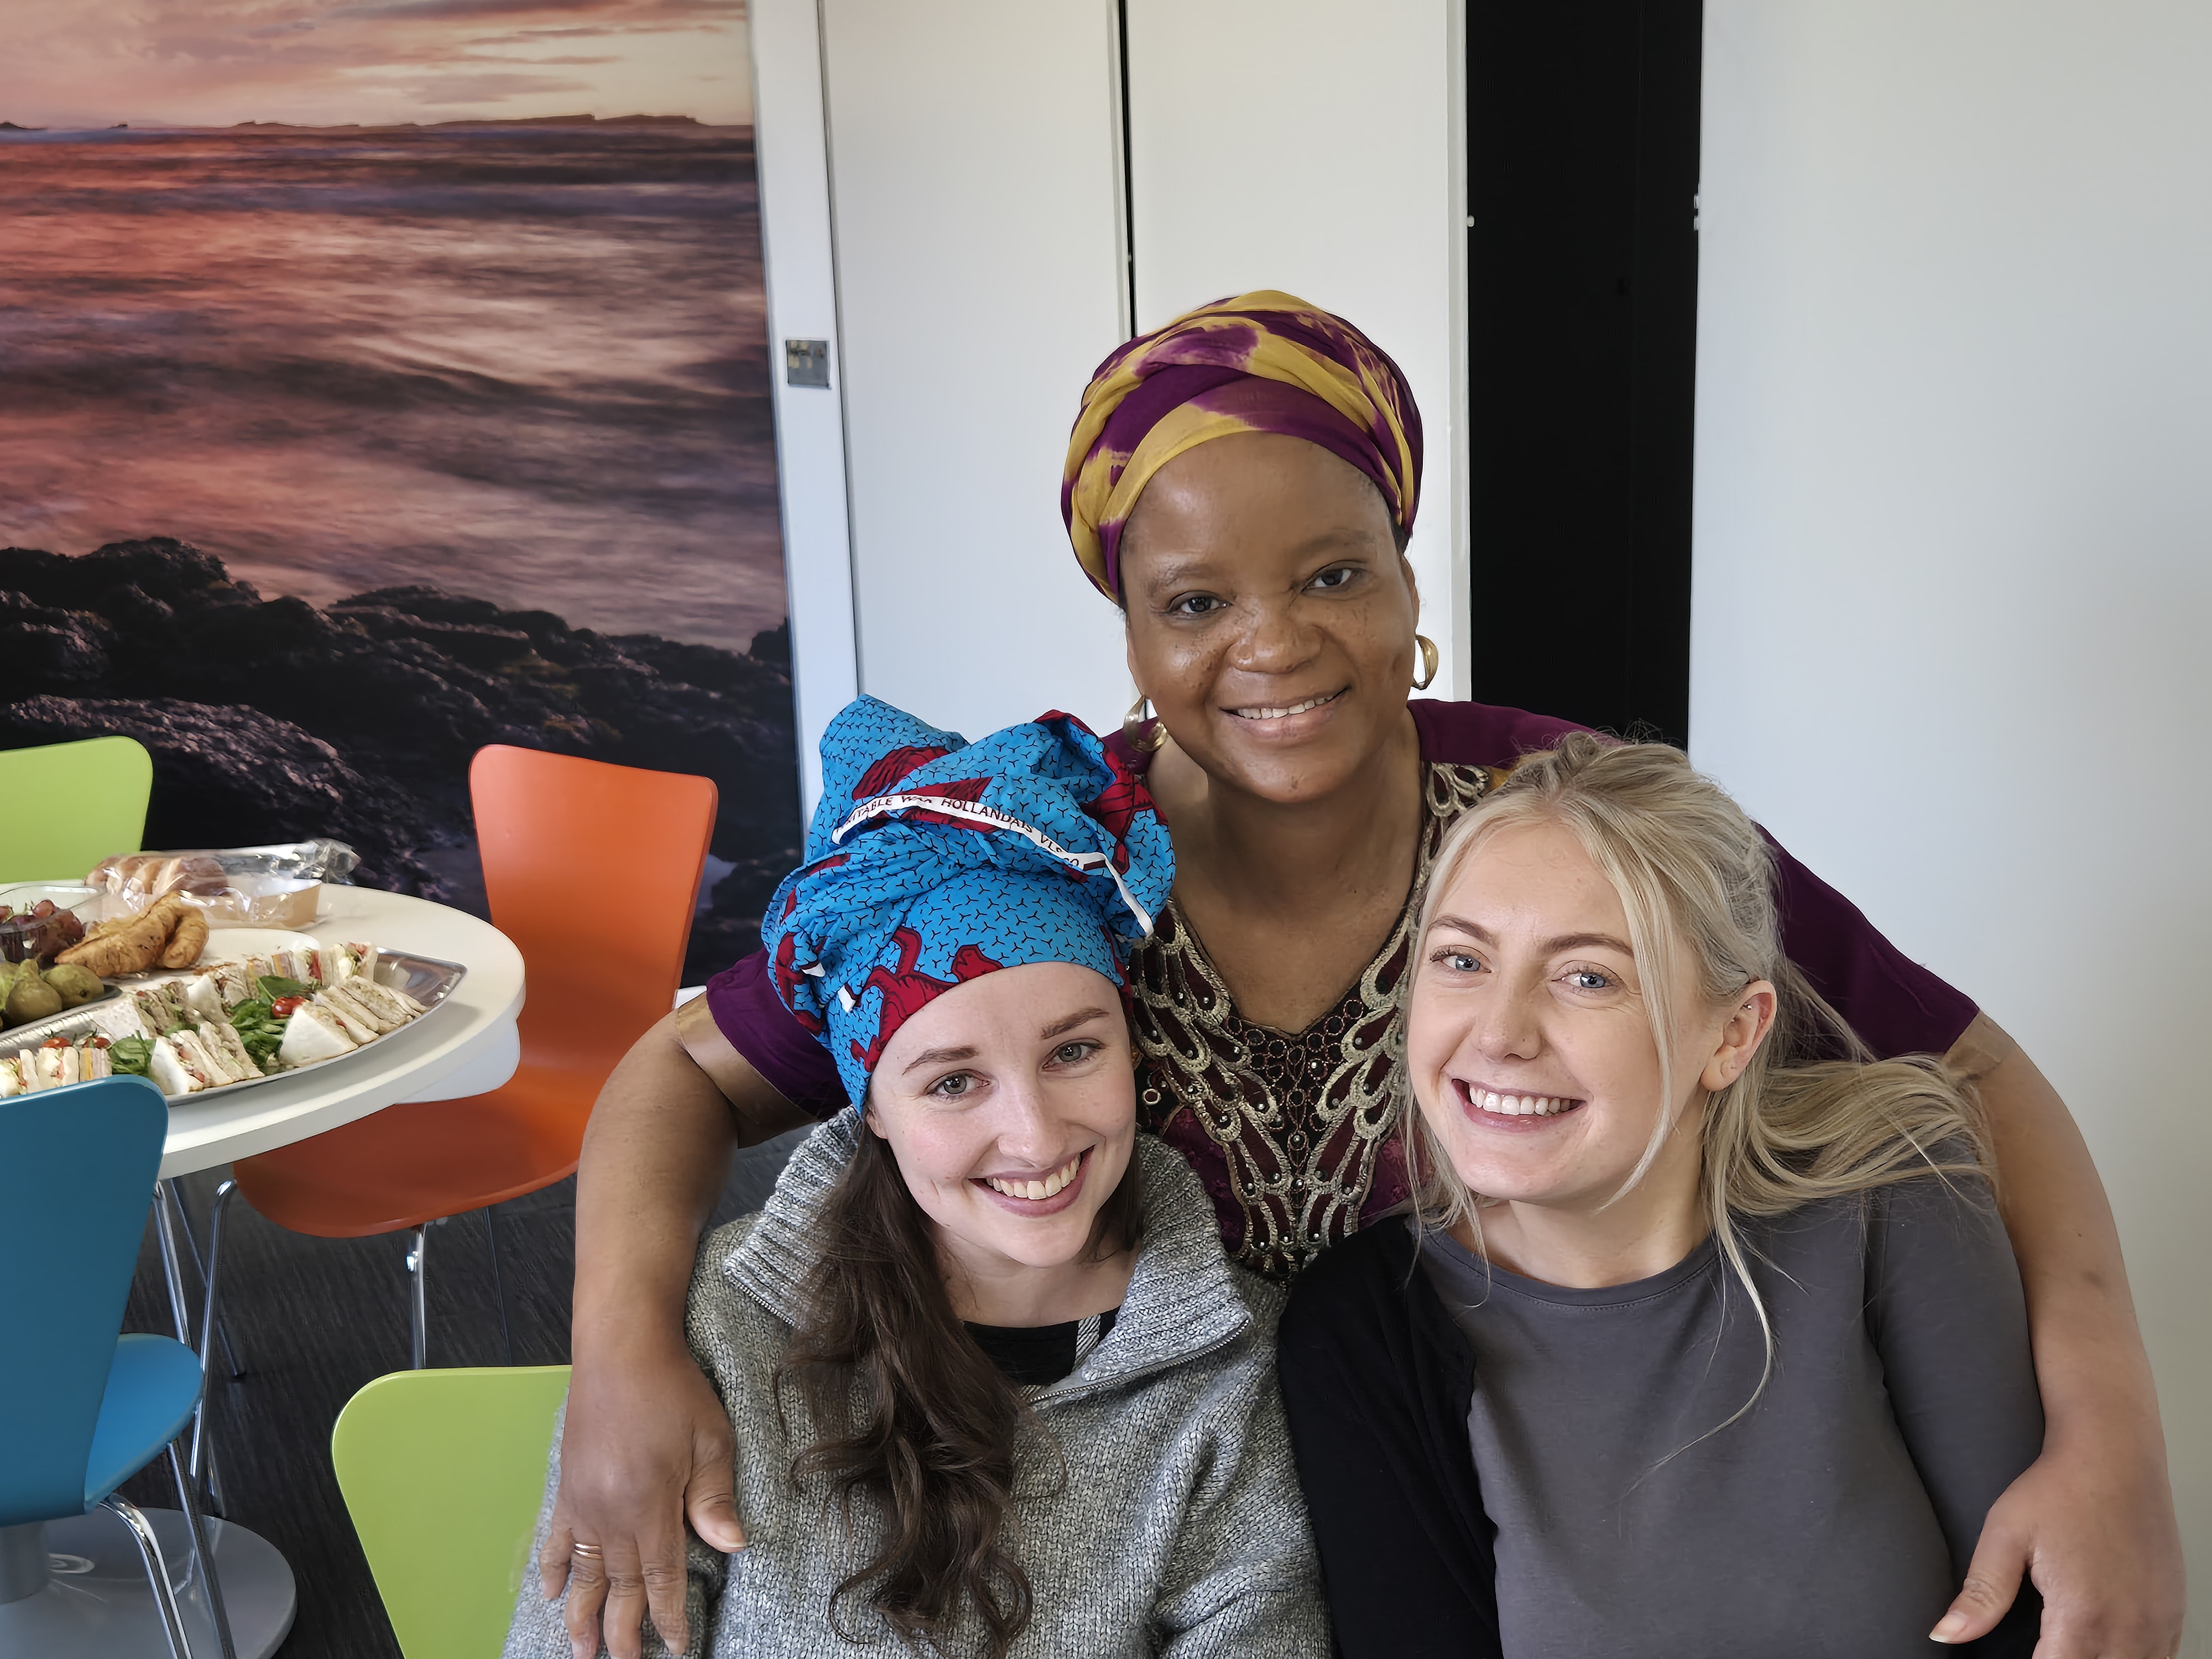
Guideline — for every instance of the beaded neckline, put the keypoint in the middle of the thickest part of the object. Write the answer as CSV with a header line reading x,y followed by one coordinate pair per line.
x,y
1287,1129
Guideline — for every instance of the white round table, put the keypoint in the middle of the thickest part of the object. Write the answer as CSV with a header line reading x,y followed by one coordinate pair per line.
x,y
96,1600
468,1047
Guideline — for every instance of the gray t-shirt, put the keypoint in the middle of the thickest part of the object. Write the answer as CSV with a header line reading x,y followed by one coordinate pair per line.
x,y
1836,1516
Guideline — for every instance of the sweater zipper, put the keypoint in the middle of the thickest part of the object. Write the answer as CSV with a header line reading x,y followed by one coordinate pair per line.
x,y
1071,1395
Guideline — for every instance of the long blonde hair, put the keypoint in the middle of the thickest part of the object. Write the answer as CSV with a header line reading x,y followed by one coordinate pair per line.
x,y
1813,1115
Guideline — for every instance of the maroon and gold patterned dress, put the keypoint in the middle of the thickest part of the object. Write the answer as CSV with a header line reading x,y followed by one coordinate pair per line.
x,y
1292,1133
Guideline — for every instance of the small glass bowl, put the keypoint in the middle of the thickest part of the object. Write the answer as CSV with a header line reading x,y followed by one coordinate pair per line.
x,y
23,933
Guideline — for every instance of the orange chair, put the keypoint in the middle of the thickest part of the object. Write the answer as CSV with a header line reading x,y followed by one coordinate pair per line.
x,y
593,871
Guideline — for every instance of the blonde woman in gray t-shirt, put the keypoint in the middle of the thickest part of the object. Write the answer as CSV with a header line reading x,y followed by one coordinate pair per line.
x,y
1749,1360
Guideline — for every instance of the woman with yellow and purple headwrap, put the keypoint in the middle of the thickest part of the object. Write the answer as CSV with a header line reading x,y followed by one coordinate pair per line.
x,y
1243,482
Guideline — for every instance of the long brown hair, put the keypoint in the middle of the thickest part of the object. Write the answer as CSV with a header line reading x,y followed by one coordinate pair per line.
x,y
914,1417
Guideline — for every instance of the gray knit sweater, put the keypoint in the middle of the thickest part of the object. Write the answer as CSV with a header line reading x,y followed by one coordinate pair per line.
x,y
1178,1530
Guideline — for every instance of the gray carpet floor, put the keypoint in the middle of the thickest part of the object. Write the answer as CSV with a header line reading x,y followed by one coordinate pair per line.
x,y
312,1320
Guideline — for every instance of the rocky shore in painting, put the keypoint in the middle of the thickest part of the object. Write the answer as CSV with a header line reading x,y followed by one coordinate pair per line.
x,y
270,720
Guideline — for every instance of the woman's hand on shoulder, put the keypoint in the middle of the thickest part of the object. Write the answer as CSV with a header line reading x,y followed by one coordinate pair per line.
x,y
647,1447
2092,1525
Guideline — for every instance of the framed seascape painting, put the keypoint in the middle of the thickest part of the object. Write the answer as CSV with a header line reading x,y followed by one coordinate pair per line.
x,y
383,379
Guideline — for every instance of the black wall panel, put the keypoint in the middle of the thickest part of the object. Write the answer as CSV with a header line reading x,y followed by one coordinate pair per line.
x,y
1583,122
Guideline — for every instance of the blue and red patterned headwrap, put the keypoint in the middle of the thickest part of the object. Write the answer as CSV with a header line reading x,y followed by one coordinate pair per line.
x,y
932,860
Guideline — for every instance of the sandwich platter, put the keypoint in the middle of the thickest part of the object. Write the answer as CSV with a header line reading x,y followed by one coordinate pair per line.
x,y
229,1025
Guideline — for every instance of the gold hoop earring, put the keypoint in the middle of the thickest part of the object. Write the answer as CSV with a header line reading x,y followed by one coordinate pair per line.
x,y
1133,727
1428,662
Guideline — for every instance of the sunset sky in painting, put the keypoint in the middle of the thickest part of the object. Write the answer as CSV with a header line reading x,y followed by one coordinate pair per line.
x,y
323,63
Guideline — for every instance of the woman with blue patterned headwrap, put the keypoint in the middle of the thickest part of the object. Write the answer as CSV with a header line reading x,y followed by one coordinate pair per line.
x,y
994,1385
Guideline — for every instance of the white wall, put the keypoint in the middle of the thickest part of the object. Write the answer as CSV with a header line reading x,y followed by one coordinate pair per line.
x,y
1952,634
1314,147
973,159
801,262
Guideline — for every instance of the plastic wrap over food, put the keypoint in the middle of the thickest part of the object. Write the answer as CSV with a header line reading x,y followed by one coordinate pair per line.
x,y
232,886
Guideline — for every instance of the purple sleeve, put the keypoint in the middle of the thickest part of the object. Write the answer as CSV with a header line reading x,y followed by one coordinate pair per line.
x,y
1481,733
752,1016
1896,1006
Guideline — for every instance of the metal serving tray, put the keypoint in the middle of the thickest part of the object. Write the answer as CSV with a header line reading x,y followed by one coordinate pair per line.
x,y
429,981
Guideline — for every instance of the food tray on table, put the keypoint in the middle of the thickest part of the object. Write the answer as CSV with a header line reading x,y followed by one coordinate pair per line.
x,y
428,980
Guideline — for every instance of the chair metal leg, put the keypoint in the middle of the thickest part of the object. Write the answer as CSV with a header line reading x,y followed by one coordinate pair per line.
x,y
210,1279
157,1572
414,1272
202,1554
499,1290
206,1268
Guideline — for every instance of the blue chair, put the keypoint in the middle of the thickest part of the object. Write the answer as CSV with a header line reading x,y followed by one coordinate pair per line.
x,y
83,1410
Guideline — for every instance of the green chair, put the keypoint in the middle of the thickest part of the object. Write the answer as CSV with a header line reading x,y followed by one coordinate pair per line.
x,y
91,801
443,1472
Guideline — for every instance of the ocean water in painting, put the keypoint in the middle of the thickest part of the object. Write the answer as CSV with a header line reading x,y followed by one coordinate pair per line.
x,y
527,364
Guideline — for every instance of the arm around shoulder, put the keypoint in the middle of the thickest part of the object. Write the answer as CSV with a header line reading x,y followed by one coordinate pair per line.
x,y
2092,1519
540,1629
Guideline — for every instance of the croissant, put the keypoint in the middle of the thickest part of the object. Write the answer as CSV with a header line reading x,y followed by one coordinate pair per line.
x,y
134,947
188,941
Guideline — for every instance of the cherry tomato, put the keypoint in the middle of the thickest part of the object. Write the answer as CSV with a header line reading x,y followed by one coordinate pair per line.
x,y
54,1042
285,1008
97,1041
45,907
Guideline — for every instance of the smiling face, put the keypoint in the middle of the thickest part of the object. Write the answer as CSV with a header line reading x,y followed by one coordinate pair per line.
x,y
1009,1105
1528,1042
1270,614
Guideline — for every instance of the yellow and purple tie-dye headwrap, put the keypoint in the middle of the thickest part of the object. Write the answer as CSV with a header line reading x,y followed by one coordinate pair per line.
x,y
1263,361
